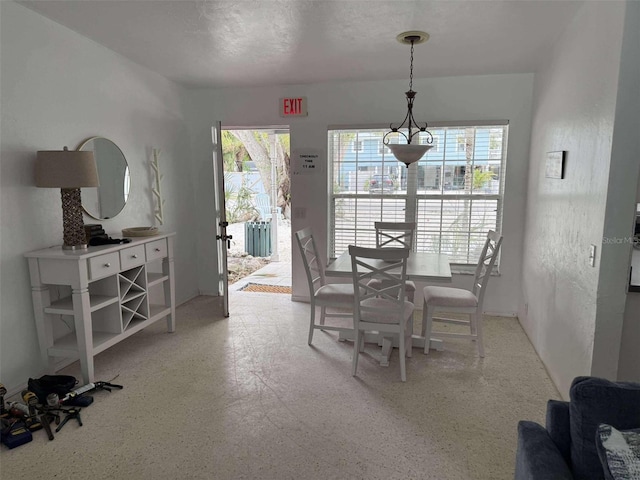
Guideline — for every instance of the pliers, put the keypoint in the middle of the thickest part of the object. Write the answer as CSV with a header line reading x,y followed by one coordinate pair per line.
x,y
107,386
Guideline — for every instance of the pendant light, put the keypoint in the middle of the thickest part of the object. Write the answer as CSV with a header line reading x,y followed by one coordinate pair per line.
x,y
410,152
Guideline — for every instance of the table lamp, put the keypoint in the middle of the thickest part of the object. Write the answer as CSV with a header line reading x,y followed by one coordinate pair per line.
x,y
69,171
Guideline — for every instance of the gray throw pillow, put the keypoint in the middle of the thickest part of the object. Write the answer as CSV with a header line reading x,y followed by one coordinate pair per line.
x,y
619,452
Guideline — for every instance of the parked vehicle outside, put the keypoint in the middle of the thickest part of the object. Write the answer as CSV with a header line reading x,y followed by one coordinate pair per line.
x,y
381,184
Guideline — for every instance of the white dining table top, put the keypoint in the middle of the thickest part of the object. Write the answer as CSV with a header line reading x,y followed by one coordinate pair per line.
x,y
425,267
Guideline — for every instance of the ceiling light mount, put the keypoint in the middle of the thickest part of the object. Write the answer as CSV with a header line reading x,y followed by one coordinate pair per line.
x,y
414,36
409,153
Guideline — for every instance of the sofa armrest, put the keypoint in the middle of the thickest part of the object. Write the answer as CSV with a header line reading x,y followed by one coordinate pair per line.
x,y
538,457
558,426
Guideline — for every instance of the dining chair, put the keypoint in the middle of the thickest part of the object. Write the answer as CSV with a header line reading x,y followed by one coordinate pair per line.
x,y
379,308
396,235
459,300
322,294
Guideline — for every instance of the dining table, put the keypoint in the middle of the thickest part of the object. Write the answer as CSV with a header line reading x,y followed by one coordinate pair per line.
x,y
421,267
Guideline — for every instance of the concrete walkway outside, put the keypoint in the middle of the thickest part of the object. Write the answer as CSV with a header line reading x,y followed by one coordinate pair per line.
x,y
275,273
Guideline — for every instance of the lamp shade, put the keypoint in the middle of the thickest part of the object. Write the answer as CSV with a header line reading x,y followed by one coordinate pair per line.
x,y
66,169
408,153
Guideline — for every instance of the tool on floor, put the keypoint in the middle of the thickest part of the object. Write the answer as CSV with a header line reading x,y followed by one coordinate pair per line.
x,y
107,386
14,433
36,419
31,400
45,420
18,410
71,413
78,398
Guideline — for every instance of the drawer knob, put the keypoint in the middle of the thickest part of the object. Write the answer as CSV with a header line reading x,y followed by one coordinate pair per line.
x,y
134,256
157,249
107,265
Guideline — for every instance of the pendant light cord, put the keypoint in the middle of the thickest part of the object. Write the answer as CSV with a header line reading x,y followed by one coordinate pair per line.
x,y
411,69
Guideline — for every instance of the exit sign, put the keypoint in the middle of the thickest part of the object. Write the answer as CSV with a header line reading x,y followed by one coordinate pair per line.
x,y
293,107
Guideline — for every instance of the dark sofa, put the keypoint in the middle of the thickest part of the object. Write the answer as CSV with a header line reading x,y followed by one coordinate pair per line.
x,y
566,448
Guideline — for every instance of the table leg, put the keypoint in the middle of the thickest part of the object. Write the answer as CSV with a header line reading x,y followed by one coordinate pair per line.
x,y
387,348
84,336
387,343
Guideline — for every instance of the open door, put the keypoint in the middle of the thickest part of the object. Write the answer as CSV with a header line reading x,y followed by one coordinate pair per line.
x,y
222,239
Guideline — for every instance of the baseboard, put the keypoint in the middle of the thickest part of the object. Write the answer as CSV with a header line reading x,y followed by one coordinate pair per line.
x,y
207,293
182,302
299,298
501,314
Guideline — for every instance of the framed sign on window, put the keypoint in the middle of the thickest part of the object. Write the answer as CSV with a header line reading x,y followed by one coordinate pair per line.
x,y
555,165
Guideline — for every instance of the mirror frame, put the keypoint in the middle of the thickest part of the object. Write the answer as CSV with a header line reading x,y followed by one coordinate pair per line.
x,y
84,143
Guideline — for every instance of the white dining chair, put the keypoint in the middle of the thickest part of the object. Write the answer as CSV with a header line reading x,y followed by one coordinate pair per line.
x,y
322,294
459,300
378,308
396,235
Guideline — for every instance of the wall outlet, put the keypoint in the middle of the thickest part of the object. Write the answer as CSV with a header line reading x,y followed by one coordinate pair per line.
x,y
592,255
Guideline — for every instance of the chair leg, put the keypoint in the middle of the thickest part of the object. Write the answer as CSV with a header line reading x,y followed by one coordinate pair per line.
x,y
403,369
323,313
312,321
473,325
408,332
427,320
410,296
356,348
478,322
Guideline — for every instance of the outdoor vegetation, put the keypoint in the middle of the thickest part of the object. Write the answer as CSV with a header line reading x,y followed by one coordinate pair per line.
x,y
248,151
247,163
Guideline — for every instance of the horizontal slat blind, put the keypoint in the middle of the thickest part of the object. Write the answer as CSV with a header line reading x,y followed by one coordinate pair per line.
x,y
459,195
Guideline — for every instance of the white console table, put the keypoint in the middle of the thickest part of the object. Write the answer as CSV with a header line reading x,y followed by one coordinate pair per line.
x,y
106,289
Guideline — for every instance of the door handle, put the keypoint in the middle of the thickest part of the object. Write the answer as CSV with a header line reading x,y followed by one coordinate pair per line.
x,y
226,238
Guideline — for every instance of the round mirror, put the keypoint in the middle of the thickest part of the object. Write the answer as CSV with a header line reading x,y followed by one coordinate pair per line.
x,y
107,200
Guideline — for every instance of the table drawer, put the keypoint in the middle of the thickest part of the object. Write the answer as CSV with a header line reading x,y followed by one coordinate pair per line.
x,y
104,265
132,257
157,249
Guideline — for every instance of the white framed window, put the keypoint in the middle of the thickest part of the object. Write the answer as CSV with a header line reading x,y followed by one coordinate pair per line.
x,y
454,194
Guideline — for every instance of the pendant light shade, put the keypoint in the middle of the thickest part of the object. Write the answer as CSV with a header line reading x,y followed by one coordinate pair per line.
x,y
408,153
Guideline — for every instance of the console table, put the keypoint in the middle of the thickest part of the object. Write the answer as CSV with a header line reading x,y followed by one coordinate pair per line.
x,y
106,290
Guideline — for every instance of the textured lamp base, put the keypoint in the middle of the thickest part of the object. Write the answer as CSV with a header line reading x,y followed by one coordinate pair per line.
x,y
72,223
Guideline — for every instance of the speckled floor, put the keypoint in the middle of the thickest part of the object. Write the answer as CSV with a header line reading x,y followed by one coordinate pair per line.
x,y
247,398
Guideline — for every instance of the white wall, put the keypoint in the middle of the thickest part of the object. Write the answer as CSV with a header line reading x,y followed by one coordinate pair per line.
x,y
574,110
57,89
380,102
629,368
615,323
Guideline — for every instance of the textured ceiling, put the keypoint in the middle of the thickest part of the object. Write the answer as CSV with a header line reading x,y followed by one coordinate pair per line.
x,y
270,42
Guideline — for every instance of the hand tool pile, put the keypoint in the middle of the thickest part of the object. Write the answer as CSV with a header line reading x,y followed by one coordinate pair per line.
x,y
48,399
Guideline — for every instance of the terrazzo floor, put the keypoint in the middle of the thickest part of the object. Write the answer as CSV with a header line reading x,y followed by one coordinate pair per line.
x,y
245,397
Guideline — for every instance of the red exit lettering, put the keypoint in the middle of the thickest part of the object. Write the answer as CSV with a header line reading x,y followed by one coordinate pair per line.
x,y
293,106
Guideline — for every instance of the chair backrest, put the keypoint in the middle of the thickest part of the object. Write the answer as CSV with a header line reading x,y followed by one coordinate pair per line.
x,y
263,200
389,264
313,267
395,234
263,205
486,262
